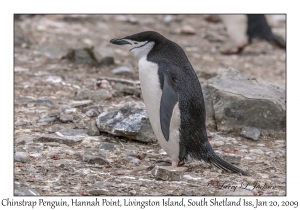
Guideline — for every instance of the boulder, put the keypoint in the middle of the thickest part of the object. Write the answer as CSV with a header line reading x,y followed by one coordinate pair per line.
x,y
128,122
234,100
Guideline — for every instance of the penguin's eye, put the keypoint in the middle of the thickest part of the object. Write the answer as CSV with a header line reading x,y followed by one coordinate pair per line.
x,y
135,42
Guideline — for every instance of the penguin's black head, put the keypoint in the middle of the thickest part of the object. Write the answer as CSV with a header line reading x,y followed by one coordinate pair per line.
x,y
141,43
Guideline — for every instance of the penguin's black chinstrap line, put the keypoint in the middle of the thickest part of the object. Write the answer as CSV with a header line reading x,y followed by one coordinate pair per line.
x,y
139,46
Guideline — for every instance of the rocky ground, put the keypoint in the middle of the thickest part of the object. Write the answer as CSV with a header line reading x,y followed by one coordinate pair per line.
x,y
67,74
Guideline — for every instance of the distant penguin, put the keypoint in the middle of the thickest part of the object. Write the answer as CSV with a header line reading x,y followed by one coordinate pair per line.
x,y
173,98
242,29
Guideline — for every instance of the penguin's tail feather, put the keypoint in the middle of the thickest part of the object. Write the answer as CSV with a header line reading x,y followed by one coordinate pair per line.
x,y
220,163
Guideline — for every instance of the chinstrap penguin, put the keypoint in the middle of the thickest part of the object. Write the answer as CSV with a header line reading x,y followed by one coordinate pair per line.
x,y
173,98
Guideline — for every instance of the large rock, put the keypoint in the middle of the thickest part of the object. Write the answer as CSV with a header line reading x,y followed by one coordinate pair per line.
x,y
129,122
104,55
234,100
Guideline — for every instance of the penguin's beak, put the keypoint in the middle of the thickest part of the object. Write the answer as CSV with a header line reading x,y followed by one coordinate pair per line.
x,y
119,41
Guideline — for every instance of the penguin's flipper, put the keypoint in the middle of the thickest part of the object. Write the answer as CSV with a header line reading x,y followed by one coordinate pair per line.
x,y
168,100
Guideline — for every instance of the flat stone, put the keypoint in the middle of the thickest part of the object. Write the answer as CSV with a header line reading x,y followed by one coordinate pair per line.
x,y
188,30
235,192
22,157
257,151
97,192
24,139
93,107
106,146
93,129
34,147
81,103
91,159
104,55
70,141
168,173
47,119
251,133
132,160
216,143
97,95
73,132
64,118
44,101
234,100
123,70
129,122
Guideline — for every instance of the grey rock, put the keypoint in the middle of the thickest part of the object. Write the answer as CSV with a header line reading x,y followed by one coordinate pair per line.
x,y
131,159
53,114
229,157
97,192
81,103
70,141
92,113
98,184
24,100
24,139
73,132
82,56
106,146
97,95
47,119
22,157
64,118
235,192
188,30
36,155
132,90
214,36
34,147
234,100
257,151
93,107
217,143
102,153
91,159
52,50
168,173
20,38
129,122
23,190
44,101
123,70
64,107
251,133
93,129
104,55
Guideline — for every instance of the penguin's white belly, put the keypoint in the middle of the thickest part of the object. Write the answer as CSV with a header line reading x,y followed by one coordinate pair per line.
x,y
148,74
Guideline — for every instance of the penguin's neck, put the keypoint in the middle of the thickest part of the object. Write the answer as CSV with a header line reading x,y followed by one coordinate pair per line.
x,y
143,51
